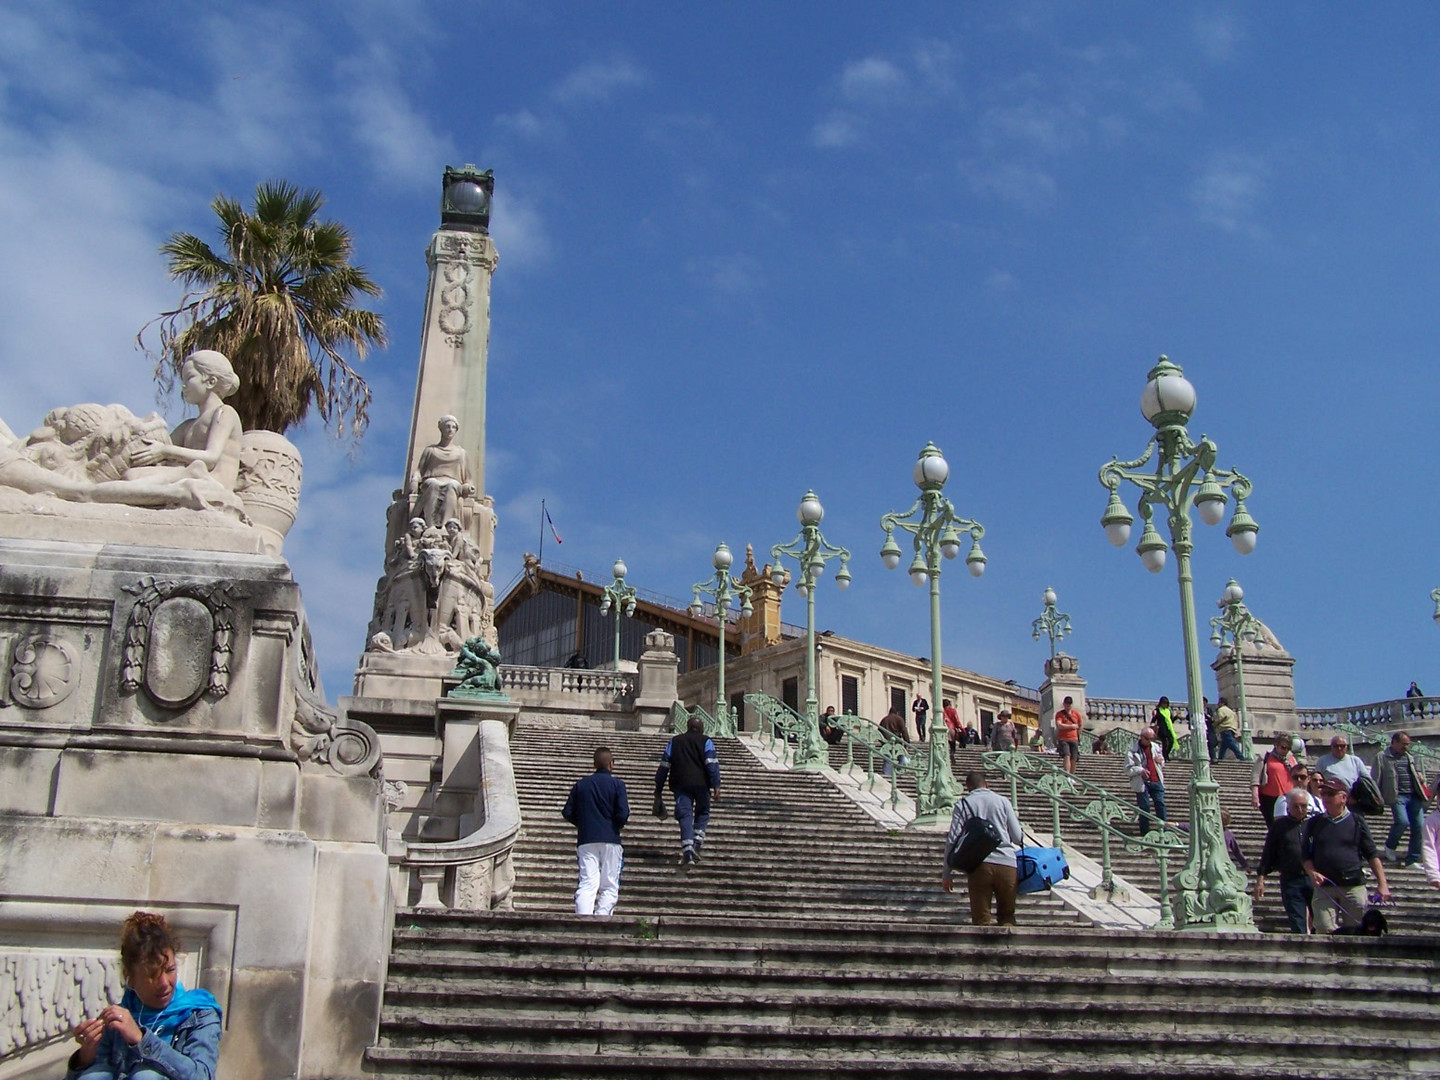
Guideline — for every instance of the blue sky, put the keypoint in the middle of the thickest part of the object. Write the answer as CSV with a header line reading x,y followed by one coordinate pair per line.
x,y
751,248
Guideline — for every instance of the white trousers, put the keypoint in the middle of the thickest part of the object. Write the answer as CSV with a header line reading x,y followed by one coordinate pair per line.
x,y
599,873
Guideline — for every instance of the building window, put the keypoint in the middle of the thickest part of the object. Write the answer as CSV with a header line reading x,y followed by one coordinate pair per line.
x,y
790,693
897,699
987,721
850,695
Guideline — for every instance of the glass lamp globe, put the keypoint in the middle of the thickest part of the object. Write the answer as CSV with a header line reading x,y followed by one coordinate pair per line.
x,y
777,575
811,512
605,606
630,609
619,569
1048,597
1233,593
468,197
931,470
1167,392
722,559
842,579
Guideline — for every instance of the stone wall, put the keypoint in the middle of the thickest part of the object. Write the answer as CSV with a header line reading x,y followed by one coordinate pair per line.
x,y
162,747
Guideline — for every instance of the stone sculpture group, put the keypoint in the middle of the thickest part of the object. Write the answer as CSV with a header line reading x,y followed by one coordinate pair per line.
x,y
436,592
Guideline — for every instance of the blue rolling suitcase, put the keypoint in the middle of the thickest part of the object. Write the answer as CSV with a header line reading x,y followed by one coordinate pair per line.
x,y
1038,868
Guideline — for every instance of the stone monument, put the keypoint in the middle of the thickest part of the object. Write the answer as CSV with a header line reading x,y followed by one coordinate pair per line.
x,y
164,744
428,681
440,529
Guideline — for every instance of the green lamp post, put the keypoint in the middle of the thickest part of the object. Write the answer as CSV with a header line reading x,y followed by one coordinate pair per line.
x,y
722,589
621,597
1054,624
1234,626
936,529
812,551
1211,890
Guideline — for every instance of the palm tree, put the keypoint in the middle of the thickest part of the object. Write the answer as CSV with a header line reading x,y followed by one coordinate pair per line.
x,y
279,300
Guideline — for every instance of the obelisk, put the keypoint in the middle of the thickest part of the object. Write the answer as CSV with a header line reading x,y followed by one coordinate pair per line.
x,y
440,528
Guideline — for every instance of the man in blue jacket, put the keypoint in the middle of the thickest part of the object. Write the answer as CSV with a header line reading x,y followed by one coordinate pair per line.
x,y
598,808
693,768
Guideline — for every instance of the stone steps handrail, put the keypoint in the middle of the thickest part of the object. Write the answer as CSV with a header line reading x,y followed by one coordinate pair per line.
x,y
1083,801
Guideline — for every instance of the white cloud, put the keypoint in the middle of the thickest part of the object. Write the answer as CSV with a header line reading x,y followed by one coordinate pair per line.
x,y
872,81
1048,129
519,230
1219,37
404,149
836,131
598,81
1028,188
523,122
1000,281
730,275
1227,193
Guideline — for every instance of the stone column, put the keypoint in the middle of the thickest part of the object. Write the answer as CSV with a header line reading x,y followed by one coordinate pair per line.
x,y
454,345
1062,680
659,668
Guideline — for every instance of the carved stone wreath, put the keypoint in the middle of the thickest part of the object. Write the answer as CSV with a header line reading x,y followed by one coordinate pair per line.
x,y
191,605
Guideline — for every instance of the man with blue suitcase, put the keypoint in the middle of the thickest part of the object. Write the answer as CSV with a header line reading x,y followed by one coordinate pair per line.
x,y
995,877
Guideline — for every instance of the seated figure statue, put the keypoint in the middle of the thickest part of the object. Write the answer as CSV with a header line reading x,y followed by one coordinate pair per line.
x,y
105,454
442,476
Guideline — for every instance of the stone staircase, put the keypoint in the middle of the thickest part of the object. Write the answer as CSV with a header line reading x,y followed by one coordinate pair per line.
x,y
679,996
810,943
779,843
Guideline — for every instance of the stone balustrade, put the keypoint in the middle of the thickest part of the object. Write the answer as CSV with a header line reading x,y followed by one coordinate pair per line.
x,y
1398,711
540,687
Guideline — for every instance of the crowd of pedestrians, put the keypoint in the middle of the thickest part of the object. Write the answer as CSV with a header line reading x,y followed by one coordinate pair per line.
x,y
1318,843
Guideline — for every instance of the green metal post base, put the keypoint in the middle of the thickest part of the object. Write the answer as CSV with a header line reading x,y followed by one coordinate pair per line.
x,y
938,788
1210,891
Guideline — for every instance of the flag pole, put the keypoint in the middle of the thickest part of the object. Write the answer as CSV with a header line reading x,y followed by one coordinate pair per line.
x,y
541,557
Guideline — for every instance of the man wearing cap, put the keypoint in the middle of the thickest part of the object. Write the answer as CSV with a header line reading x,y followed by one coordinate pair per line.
x,y
1336,847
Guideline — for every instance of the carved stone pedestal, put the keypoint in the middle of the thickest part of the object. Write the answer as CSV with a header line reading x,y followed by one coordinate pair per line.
x,y
162,747
659,668
1062,680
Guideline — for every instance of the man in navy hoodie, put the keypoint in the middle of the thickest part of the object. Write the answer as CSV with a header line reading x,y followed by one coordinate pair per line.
x,y
693,769
598,808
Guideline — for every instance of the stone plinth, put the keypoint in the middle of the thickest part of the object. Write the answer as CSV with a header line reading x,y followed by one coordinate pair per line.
x,y
1269,687
1062,680
162,746
413,676
659,674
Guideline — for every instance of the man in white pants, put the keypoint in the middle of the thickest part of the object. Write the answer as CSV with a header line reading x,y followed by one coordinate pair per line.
x,y
598,807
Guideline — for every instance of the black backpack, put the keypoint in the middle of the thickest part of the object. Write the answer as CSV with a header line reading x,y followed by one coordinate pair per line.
x,y
977,839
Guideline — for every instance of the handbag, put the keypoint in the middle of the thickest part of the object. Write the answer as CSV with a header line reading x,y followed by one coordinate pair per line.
x,y
978,838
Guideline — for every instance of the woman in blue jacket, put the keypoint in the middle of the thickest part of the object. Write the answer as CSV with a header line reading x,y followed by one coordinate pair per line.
x,y
160,1030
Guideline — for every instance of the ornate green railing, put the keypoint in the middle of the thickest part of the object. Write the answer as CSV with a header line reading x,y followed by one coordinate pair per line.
x,y
1078,801
1118,741
863,738
717,727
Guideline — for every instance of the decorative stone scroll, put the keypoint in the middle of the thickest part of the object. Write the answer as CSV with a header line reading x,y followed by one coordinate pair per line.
x,y
194,625
318,735
43,672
